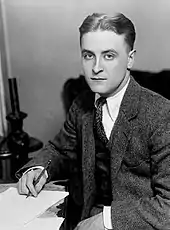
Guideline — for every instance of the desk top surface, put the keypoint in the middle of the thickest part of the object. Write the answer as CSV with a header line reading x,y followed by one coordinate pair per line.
x,y
49,186
4,187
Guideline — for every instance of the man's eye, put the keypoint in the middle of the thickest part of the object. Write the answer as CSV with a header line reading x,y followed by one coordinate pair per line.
x,y
109,56
87,56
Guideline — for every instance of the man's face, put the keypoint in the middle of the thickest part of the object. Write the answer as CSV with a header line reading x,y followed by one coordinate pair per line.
x,y
105,60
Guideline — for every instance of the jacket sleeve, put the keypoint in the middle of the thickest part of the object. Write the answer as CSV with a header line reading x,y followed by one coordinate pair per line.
x,y
152,212
62,150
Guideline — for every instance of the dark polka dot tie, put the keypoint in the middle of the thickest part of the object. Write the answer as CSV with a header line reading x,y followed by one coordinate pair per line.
x,y
98,120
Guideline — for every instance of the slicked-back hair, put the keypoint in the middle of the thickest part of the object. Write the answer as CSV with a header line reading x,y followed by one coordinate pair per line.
x,y
117,23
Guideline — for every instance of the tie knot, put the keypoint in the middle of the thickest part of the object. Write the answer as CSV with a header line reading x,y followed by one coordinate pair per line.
x,y
100,101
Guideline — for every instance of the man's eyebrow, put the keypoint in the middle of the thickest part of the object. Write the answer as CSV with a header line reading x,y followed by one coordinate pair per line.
x,y
103,52
86,51
110,51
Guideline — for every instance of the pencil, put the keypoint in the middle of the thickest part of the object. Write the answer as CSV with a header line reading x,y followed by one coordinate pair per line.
x,y
39,177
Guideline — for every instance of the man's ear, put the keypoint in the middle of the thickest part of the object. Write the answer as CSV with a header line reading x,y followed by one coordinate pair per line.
x,y
131,59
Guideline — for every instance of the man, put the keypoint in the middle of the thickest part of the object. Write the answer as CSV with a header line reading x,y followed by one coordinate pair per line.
x,y
115,143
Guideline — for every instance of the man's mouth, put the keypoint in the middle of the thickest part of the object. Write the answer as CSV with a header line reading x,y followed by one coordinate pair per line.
x,y
97,78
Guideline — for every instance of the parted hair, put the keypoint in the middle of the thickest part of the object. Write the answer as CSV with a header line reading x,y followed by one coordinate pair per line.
x,y
117,23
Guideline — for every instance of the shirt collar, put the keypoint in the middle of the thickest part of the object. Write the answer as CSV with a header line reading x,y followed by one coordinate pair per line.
x,y
114,102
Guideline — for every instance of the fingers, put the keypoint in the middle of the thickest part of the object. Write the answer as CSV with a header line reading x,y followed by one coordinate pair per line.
x,y
31,177
25,184
21,185
41,183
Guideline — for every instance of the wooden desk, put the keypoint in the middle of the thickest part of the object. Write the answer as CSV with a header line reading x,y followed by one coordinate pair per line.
x,y
50,186
4,187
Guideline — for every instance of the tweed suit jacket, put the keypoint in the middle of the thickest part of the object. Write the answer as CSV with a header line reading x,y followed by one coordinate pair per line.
x,y
139,154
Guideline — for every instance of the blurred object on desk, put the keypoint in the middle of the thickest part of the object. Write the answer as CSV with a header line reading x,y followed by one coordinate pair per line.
x,y
14,148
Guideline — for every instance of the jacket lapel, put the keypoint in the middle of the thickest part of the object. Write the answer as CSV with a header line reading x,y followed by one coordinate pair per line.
x,y
118,143
88,160
122,130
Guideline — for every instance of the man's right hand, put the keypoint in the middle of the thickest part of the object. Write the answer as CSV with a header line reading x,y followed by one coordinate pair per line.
x,y
25,183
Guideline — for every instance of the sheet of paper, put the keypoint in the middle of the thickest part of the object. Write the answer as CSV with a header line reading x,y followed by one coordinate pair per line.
x,y
51,223
17,210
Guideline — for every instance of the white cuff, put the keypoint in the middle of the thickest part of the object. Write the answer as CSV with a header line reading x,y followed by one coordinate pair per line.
x,y
107,217
36,167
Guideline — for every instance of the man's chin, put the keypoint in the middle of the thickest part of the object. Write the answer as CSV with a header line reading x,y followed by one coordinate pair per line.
x,y
96,89
102,92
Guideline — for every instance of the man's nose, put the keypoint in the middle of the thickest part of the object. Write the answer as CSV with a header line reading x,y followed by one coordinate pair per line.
x,y
97,67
